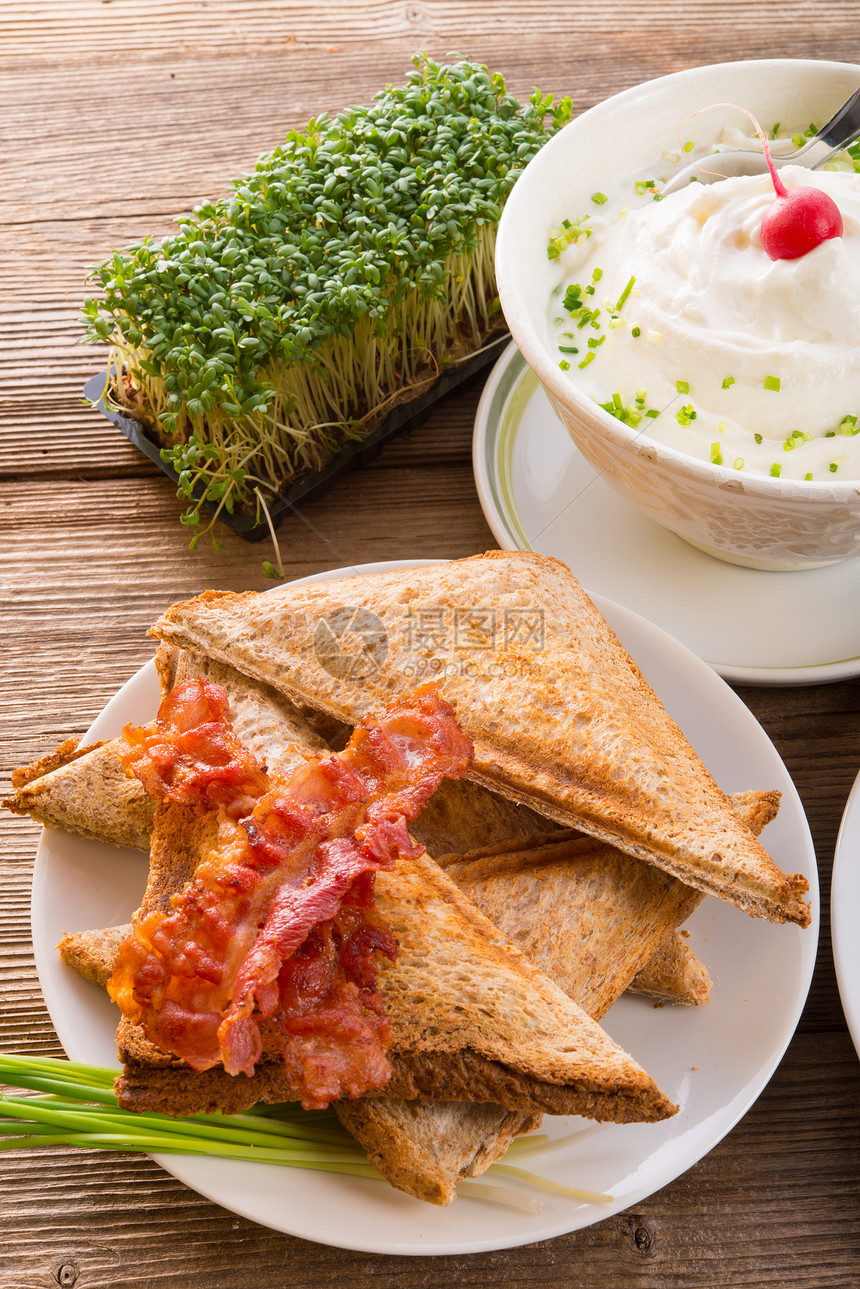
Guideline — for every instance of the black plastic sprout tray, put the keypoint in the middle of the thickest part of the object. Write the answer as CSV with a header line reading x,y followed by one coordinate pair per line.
x,y
404,416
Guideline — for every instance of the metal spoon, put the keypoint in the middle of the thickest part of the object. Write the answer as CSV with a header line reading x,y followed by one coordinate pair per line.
x,y
842,128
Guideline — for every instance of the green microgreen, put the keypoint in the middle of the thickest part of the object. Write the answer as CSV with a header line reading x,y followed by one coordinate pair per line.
x,y
278,322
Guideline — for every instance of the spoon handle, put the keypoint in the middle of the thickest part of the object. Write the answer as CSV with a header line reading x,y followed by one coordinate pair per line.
x,y
842,128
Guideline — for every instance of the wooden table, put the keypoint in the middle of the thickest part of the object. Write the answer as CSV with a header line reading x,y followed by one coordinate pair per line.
x,y
116,116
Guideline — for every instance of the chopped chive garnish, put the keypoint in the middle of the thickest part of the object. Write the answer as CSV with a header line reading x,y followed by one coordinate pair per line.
x,y
772,382
716,454
723,426
598,198
616,407
808,476
686,415
776,470
848,425
597,275
757,438
589,358
564,365
738,463
594,342
652,412
728,381
636,332
688,146
568,349
682,386
623,297
566,235
572,298
834,466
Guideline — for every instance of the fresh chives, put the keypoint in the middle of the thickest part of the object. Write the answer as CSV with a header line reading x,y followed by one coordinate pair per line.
x,y
76,1106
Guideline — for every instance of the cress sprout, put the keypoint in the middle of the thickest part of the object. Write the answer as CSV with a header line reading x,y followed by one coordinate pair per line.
x,y
354,264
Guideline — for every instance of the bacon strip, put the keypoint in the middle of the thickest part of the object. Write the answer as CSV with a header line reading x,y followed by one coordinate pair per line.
x,y
277,922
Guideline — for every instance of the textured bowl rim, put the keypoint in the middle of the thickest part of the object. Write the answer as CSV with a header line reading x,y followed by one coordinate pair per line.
x,y
812,491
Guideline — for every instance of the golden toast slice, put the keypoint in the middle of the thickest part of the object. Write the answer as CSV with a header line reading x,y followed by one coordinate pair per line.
x,y
561,718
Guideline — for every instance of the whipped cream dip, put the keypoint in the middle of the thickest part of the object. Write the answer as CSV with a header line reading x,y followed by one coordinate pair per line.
x,y
670,314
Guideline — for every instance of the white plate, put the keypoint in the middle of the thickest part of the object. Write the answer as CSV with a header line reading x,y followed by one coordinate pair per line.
x,y
714,1060
538,492
844,906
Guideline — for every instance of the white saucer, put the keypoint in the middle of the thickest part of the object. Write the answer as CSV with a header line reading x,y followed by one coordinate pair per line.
x,y
844,903
539,493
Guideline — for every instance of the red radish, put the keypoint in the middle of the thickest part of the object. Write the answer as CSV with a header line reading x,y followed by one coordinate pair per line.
x,y
800,218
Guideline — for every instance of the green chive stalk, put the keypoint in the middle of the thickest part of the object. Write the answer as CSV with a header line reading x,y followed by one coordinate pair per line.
x,y
341,276
76,1106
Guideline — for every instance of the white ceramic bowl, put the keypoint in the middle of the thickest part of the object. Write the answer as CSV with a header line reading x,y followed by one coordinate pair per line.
x,y
760,522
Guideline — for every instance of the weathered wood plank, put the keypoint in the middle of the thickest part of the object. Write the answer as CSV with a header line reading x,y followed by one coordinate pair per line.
x,y
115,118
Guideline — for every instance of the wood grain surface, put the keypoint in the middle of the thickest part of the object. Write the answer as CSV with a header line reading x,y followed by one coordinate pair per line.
x,y
114,118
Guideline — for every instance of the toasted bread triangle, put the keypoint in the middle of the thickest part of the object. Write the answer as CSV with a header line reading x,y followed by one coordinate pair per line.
x,y
471,1019
561,718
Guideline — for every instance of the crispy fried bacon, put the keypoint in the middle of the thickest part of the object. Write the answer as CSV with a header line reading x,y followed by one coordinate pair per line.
x,y
190,754
277,923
